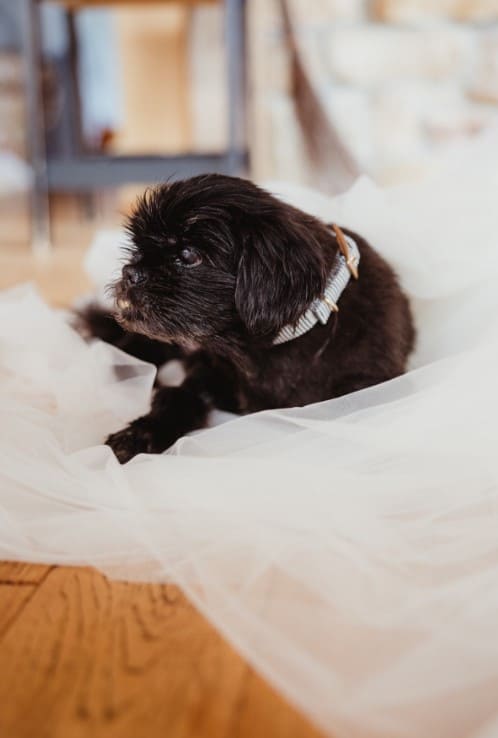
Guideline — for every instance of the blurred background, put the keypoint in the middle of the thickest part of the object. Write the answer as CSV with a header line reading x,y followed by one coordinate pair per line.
x,y
98,99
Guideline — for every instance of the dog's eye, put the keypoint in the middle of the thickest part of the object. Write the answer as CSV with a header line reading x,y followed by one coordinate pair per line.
x,y
189,257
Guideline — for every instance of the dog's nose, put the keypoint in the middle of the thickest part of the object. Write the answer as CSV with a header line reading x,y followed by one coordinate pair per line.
x,y
133,274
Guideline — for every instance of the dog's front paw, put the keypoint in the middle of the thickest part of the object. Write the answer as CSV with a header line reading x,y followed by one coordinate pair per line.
x,y
136,438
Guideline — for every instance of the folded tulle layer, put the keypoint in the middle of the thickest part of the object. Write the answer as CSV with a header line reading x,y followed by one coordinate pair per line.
x,y
348,549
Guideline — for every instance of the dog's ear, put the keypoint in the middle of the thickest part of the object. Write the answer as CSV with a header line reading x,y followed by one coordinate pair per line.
x,y
281,271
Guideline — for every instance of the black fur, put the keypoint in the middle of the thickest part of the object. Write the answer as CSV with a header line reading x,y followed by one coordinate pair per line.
x,y
218,266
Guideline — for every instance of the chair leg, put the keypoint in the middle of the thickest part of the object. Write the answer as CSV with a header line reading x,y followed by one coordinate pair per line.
x,y
236,64
40,212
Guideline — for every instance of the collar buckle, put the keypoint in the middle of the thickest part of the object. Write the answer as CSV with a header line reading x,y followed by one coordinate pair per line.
x,y
350,258
334,307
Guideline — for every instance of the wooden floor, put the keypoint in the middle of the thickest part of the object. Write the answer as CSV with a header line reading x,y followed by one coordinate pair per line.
x,y
82,656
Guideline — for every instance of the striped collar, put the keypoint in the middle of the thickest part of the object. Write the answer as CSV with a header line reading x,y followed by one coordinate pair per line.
x,y
345,266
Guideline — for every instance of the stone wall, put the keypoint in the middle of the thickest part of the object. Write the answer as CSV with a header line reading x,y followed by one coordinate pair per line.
x,y
398,78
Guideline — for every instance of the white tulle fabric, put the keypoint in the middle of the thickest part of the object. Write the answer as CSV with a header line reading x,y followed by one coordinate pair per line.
x,y
348,549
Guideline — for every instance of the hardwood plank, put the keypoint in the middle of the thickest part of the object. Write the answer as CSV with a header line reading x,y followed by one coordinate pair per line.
x,y
14,572
18,584
88,656
263,712
12,600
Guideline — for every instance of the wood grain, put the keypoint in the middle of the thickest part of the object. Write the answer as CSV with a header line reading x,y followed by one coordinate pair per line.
x,y
86,656
14,572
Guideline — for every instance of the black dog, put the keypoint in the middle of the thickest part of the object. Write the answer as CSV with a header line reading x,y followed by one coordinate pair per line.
x,y
220,275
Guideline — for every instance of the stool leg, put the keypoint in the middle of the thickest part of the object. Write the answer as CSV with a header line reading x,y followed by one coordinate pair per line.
x,y
35,125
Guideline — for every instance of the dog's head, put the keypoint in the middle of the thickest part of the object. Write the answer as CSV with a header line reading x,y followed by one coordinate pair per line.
x,y
217,258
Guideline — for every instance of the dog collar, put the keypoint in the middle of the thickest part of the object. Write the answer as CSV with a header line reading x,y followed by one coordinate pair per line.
x,y
345,266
